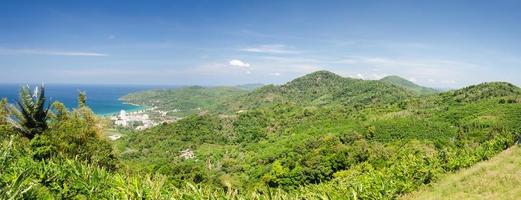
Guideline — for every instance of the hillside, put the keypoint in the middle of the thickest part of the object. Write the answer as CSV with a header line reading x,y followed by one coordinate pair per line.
x,y
322,88
320,136
250,87
406,84
484,91
184,101
497,178
325,133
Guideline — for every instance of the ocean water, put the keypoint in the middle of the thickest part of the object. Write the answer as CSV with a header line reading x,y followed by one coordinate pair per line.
x,y
102,99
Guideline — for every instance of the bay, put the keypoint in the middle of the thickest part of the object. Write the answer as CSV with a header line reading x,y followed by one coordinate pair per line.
x,y
102,99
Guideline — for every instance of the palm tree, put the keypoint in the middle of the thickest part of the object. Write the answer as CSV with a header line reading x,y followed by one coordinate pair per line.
x,y
30,114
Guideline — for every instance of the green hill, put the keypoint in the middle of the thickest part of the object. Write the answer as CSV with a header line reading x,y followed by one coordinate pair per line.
x,y
186,100
484,91
333,135
404,83
322,88
320,136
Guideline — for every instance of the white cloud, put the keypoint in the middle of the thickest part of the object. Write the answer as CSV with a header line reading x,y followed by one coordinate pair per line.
x,y
49,52
360,76
239,63
270,48
274,74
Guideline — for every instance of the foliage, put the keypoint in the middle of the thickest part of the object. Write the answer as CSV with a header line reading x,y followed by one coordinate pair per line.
x,y
401,82
82,99
321,136
31,113
184,101
497,178
284,143
321,88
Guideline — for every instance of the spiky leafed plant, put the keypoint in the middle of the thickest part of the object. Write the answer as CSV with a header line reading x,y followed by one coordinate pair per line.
x,y
82,99
29,115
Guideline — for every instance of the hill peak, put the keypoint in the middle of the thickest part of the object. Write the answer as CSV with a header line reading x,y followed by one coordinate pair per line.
x,y
322,73
393,77
484,91
320,78
409,85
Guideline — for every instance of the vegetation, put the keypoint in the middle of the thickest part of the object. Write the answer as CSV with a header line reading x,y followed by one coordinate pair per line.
x,y
31,114
497,178
184,101
321,88
321,132
320,136
404,83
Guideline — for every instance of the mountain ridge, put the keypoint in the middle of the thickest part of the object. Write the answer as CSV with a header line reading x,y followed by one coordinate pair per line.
x,y
323,88
404,83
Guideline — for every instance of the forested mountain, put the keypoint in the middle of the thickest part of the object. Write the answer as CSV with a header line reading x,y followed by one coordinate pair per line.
x,y
322,88
325,131
404,83
186,100
320,136
483,91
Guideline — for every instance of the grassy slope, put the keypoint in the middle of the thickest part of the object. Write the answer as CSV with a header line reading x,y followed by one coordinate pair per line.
x,y
497,178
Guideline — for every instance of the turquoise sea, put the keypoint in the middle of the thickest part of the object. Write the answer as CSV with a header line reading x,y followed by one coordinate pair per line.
x,y
102,99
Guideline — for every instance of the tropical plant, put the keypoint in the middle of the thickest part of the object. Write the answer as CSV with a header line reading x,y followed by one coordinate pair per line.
x,y
82,99
29,116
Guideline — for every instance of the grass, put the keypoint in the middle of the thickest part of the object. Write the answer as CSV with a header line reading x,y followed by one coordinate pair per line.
x,y
497,178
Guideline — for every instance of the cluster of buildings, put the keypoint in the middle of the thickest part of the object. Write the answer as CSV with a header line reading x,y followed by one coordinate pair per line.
x,y
143,119
138,120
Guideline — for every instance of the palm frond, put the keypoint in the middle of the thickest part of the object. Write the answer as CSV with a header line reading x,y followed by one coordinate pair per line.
x,y
31,112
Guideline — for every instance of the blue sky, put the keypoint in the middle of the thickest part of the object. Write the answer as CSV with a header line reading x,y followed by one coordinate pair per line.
x,y
441,44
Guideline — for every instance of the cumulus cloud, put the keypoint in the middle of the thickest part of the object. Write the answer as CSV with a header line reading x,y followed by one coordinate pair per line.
x,y
270,48
239,63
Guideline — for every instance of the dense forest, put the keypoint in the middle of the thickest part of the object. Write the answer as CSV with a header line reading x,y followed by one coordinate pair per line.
x,y
320,136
